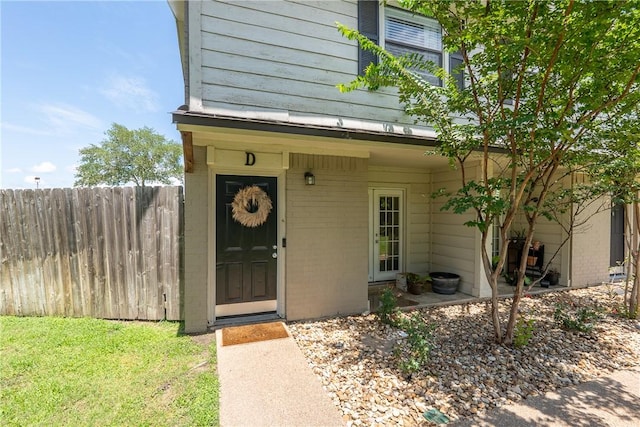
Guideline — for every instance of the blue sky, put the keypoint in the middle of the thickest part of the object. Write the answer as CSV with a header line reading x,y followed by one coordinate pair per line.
x,y
71,69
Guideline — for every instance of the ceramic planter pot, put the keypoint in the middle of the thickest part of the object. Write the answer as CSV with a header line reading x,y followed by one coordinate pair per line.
x,y
444,283
414,288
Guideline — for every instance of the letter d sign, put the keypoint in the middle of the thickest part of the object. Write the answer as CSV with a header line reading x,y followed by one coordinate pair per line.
x,y
251,159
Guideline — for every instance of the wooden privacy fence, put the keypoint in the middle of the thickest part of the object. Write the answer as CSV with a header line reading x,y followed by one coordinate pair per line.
x,y
112,253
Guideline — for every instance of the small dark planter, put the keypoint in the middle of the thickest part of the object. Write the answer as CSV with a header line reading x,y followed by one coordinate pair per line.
x,y
553,278
444,283
414,288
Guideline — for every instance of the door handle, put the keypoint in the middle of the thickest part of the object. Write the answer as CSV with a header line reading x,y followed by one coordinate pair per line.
x,y
274,255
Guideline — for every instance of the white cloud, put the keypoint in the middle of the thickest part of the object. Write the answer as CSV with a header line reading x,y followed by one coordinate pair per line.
x,y
65,117
44,167
23,129
14,170
131,93
56,120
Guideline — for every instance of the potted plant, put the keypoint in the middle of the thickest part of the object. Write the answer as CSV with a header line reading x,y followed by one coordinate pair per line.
x,y
414,284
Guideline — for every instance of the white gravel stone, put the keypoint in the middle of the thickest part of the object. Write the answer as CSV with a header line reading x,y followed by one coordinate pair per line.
x,y
467,373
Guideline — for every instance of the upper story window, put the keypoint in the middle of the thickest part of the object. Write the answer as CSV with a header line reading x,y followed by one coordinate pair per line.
x,y
407,33
404,33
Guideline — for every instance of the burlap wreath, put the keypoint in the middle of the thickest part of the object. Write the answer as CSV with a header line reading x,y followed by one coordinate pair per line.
x,y
242,201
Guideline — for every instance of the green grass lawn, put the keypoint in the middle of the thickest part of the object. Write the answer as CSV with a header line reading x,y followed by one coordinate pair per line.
x,y
90,372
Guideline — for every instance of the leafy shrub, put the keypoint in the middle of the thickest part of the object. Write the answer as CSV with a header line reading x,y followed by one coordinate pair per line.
x,y
388,310
582,320
523,332
419,335
419,343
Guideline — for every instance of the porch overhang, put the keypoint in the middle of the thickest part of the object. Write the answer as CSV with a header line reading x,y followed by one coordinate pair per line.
x,y
382,148
202,119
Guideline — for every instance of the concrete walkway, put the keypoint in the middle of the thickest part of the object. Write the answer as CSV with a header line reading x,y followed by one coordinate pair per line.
x,y
269,383
611,400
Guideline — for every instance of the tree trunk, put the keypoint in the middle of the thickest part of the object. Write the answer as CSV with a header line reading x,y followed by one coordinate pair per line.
x,y
634,260
513,313
495,315
634,300
517,294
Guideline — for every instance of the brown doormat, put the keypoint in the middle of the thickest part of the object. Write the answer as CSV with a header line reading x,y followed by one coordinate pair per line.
x,y
252,333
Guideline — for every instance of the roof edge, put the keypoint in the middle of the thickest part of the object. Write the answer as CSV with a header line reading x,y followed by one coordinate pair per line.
x,y
203,119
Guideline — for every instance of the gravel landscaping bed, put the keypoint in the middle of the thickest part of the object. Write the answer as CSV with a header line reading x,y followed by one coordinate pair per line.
x,y
467,374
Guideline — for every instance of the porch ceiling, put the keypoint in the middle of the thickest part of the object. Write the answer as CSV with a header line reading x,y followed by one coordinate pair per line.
x,y
405,156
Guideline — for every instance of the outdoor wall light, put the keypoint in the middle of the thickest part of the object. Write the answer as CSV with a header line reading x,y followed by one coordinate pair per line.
x,y
309,179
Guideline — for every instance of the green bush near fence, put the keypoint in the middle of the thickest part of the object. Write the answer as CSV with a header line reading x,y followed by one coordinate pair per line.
x,y
79,372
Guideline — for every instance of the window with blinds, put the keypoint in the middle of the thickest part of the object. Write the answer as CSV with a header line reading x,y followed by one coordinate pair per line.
x,y
404,35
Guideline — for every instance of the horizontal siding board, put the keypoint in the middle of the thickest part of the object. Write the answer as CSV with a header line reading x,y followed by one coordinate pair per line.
x,y
417,178
447,217
456,265
345,7
277,101
294,88
215,55
216,31
456,242
454,251
258,69
441,230
295,18
268,58
303,9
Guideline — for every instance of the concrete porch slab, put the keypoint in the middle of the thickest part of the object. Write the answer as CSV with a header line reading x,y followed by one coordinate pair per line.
x,y
432,299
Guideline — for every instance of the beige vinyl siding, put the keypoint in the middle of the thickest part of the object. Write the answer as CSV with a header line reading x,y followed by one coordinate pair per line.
x,y
327,237
454,246
282,60
416,184
196,256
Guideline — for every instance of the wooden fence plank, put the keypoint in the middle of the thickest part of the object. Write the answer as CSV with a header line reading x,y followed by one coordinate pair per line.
x,y
101,252
63,249
130,255
8,280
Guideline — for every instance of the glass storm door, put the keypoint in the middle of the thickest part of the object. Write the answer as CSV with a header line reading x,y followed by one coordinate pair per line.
x,y
386,234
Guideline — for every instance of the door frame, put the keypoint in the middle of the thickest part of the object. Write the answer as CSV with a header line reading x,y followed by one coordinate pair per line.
x,y
280,174
393,190
247,307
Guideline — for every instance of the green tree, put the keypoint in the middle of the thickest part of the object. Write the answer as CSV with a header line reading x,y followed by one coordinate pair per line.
x,y
617,172
141,156
543,78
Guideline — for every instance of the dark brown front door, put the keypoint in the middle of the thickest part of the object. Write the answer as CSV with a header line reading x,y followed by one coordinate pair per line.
x,y
246,264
